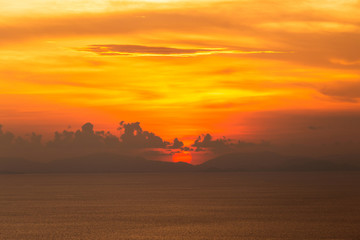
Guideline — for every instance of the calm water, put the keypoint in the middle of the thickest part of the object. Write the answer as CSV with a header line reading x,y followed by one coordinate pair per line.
x,y
180,206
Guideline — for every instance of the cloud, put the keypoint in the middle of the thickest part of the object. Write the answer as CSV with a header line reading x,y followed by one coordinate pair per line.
x,y
140,50
143,50
345,62
342,91
338,132
9,143
177,144
61,140
211,30
6,138
187,149
84,138
118,23
206,141
87,137
135,137
309,26
132,140
206,25
132,136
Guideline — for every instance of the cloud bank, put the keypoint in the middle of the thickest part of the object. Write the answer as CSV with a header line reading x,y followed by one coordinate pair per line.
x,y
133,140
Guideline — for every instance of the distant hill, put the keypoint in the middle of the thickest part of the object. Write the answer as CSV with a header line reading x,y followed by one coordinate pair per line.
x,y
271,161
19,165
254,161
95,163
114,163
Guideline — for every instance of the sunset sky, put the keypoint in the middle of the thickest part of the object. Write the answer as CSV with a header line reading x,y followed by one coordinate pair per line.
x,y
279,71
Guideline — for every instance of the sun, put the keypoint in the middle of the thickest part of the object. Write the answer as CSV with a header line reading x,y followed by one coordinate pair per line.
x,y
182,157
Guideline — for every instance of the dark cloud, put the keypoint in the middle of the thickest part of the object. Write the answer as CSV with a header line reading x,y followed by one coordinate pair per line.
x,y
187,149
84,138
32,141
11,144
206,141
61,140
133,136
6,138
223,145
133,140
177,144
285,129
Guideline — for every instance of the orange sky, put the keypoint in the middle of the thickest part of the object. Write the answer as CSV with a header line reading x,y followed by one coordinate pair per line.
x,y
181,68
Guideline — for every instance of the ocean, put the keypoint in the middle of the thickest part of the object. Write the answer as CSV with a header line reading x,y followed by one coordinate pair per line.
x,y
174,206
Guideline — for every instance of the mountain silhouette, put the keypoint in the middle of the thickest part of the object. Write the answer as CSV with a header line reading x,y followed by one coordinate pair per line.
x,y
271,161
114,163
251,161
95,163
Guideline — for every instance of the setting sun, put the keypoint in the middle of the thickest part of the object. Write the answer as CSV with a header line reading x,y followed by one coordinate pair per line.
x,y
182,157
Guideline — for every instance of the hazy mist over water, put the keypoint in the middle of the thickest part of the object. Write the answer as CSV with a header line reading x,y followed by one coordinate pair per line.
x,y
180,206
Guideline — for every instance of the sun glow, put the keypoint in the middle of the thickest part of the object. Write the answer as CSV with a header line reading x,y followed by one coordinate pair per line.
x,y
182,68
182,157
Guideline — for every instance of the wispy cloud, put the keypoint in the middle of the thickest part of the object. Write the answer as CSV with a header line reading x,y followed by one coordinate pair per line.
x,y
140,50
348,91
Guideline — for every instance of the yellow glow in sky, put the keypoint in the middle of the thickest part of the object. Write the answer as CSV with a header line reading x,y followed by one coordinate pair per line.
x,y
182,68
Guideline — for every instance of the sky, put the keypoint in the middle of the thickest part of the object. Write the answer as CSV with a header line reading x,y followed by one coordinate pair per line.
x,y
271,71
